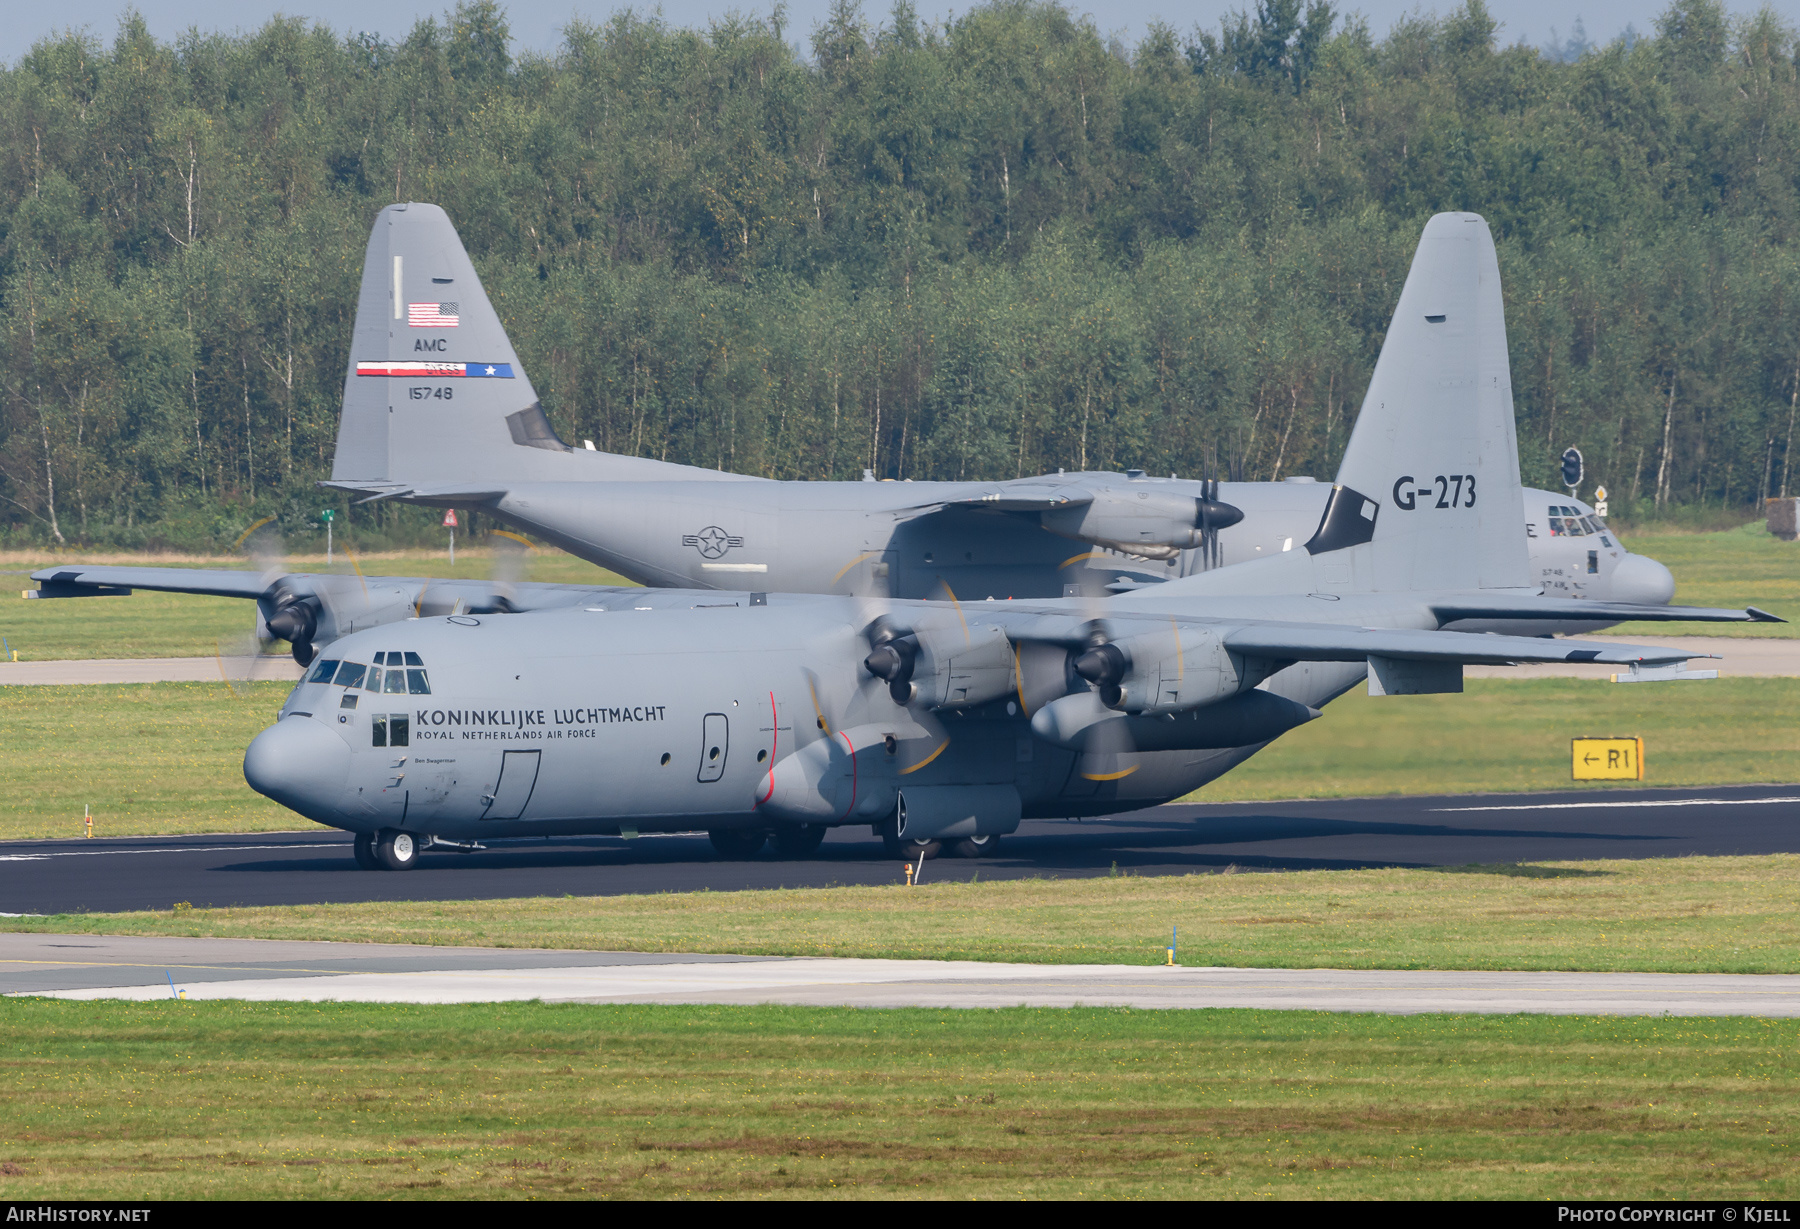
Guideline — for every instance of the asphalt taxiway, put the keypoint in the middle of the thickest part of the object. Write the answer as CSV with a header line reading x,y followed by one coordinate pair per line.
x,y
145,969
285,868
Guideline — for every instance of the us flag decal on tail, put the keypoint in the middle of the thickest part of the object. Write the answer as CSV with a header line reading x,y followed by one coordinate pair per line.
x,y
433,315
437,371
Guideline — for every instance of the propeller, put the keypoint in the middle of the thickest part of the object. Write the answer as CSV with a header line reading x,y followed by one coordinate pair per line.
x,y
1213,514
247,658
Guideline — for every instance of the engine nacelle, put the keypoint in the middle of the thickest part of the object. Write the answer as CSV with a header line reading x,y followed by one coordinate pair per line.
x,y
1239,721
1153,523
944,665
1168,672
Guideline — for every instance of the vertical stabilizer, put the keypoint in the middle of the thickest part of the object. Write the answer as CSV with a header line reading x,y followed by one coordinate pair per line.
x,y
1435,446
434,390
1428,495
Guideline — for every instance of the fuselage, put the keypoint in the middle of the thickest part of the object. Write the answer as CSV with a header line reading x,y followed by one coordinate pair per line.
x,y
895,539
665,715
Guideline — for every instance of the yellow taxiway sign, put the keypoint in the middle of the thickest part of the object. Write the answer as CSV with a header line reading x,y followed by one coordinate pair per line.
x,y
1608,759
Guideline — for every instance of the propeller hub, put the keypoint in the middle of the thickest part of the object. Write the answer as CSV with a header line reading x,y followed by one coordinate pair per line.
x,y
1103,665
1216,514
295,622
893,660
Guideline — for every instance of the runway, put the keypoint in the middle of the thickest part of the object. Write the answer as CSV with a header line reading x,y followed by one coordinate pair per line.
x,y
286,868
150,969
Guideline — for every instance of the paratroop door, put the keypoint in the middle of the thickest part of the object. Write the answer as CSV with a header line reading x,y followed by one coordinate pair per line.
x,y
518,777
714,744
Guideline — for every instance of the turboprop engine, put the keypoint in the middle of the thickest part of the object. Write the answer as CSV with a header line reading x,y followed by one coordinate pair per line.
x,y
1172,671
944,665
1180,689
1152,523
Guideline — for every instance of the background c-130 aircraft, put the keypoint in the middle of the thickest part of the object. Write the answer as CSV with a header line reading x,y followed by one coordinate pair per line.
x,y
447,417
438,410
753,715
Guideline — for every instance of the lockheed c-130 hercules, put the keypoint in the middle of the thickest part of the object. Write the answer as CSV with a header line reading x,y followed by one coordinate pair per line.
x,y
754,715
438,410
446,417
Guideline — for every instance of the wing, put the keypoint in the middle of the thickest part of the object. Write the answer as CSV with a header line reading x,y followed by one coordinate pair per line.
x,y
108,582
1022,495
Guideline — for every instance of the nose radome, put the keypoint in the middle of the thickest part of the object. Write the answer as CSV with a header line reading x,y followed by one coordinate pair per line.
x,y
1639,578
300,764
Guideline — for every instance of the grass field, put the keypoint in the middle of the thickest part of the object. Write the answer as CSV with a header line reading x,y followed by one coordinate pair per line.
x,y
519,1101
1738,567
148,624
1732,568
1671,915
167,757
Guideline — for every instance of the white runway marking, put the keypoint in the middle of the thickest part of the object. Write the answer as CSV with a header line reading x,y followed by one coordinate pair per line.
x,y
1639,802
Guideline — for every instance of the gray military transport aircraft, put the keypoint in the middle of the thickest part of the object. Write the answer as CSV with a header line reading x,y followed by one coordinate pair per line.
x,y
753,715
446,417
435,390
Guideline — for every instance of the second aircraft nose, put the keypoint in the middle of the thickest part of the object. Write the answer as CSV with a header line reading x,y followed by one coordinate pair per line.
x,y
1639,578
300,764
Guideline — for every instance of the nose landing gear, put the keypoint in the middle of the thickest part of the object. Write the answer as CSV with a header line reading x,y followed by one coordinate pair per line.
x,y
387,850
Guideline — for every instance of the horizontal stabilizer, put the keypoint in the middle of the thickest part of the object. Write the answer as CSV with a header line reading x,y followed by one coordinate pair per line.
x,y
446,494
1525,606
1333,642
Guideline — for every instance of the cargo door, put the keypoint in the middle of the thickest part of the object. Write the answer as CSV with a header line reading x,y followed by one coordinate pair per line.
x,y
518,777
714,745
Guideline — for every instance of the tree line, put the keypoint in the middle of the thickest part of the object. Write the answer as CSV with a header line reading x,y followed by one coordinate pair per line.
x,y
991,247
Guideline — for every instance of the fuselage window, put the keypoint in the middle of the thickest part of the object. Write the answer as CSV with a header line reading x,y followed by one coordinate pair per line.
x,y
322,672
389,729
350,674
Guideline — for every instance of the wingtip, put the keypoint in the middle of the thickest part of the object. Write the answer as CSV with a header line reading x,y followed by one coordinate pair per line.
x,y
1762,616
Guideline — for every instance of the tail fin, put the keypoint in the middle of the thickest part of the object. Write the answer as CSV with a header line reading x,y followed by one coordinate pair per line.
x,y
434,391
1428,495
1435,446
435,395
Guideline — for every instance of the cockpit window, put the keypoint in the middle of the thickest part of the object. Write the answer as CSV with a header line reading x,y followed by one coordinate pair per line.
x,y
1569,521
350,674
395,682
416,682
412,659
372,681
322,672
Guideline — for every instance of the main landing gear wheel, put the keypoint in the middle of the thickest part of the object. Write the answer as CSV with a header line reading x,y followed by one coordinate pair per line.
x,y
799,840
737,842
365,851
973,846
918,851
396,851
